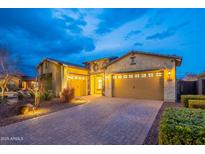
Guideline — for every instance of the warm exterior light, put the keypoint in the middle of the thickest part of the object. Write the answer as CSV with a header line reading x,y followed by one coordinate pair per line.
x,y
169,76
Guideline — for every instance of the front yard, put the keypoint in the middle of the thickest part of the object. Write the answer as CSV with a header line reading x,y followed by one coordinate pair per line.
x,y
110,121
104,120
10,113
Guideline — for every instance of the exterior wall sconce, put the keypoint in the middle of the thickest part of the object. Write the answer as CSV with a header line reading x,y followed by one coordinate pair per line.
x,y
169,76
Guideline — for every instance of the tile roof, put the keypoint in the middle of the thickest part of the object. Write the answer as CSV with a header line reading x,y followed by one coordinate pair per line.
x,y
64,63
110,58
177,58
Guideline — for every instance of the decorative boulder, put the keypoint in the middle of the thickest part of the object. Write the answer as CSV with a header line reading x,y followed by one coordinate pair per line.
x,y
26,108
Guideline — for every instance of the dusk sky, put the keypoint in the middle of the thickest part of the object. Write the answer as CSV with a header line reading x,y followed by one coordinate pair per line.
x,y
79,35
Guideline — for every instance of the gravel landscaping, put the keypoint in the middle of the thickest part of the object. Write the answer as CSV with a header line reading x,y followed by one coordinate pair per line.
x,y
152,137
10,113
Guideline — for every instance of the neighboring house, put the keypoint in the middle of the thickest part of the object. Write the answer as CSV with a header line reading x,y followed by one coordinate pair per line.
x,y
14,83
137,74
28,82
187,85
201,84
17,82
191,85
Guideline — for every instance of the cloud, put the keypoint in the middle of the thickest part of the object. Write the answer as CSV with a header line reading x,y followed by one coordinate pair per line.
x,y
132,33
39,33
138,44
111,19
167,33
158,18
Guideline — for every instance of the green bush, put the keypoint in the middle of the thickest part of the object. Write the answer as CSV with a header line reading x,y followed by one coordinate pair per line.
x,y
185,98
197,104
47,95
182,126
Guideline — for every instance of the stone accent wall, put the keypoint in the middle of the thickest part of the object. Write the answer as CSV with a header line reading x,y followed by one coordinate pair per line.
x,y
100,64
108,85
145,62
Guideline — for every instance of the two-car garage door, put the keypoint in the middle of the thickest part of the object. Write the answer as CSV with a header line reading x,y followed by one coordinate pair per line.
x,y
145,85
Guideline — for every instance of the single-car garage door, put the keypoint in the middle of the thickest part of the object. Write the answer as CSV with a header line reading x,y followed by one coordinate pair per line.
x,y
145,85
78,83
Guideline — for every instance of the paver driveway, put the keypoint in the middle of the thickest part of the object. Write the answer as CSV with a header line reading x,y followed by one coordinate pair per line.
x,y
102,121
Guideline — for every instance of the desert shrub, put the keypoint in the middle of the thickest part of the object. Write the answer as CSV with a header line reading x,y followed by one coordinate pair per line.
x,y
67,94
31,92
185,98
197,104
47,95
182,126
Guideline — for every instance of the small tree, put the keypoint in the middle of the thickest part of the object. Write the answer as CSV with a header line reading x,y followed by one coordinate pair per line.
x,y
7,69
36,92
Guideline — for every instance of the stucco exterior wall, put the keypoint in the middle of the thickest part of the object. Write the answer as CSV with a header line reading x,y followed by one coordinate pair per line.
x,y
55,69
60,75
108,84
92,83
145,62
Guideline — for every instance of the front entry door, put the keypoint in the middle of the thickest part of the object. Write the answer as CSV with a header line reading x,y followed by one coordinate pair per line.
x,y
98,85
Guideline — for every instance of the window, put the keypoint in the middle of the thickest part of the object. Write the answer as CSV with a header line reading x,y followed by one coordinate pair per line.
x,y
150,75
119,76
99,83
143,75
132,60
114,77
158,74
137,75
130,75
70,77
125,76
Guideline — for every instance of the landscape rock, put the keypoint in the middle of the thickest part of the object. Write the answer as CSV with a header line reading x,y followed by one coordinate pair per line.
x,y
26,108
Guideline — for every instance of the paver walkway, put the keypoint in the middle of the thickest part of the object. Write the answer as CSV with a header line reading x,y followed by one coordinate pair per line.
x,y
103,120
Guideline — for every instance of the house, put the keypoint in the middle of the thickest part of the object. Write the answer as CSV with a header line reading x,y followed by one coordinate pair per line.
x,y
188,85
28,82
201,84
191,85
17,82
137,74
14,82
